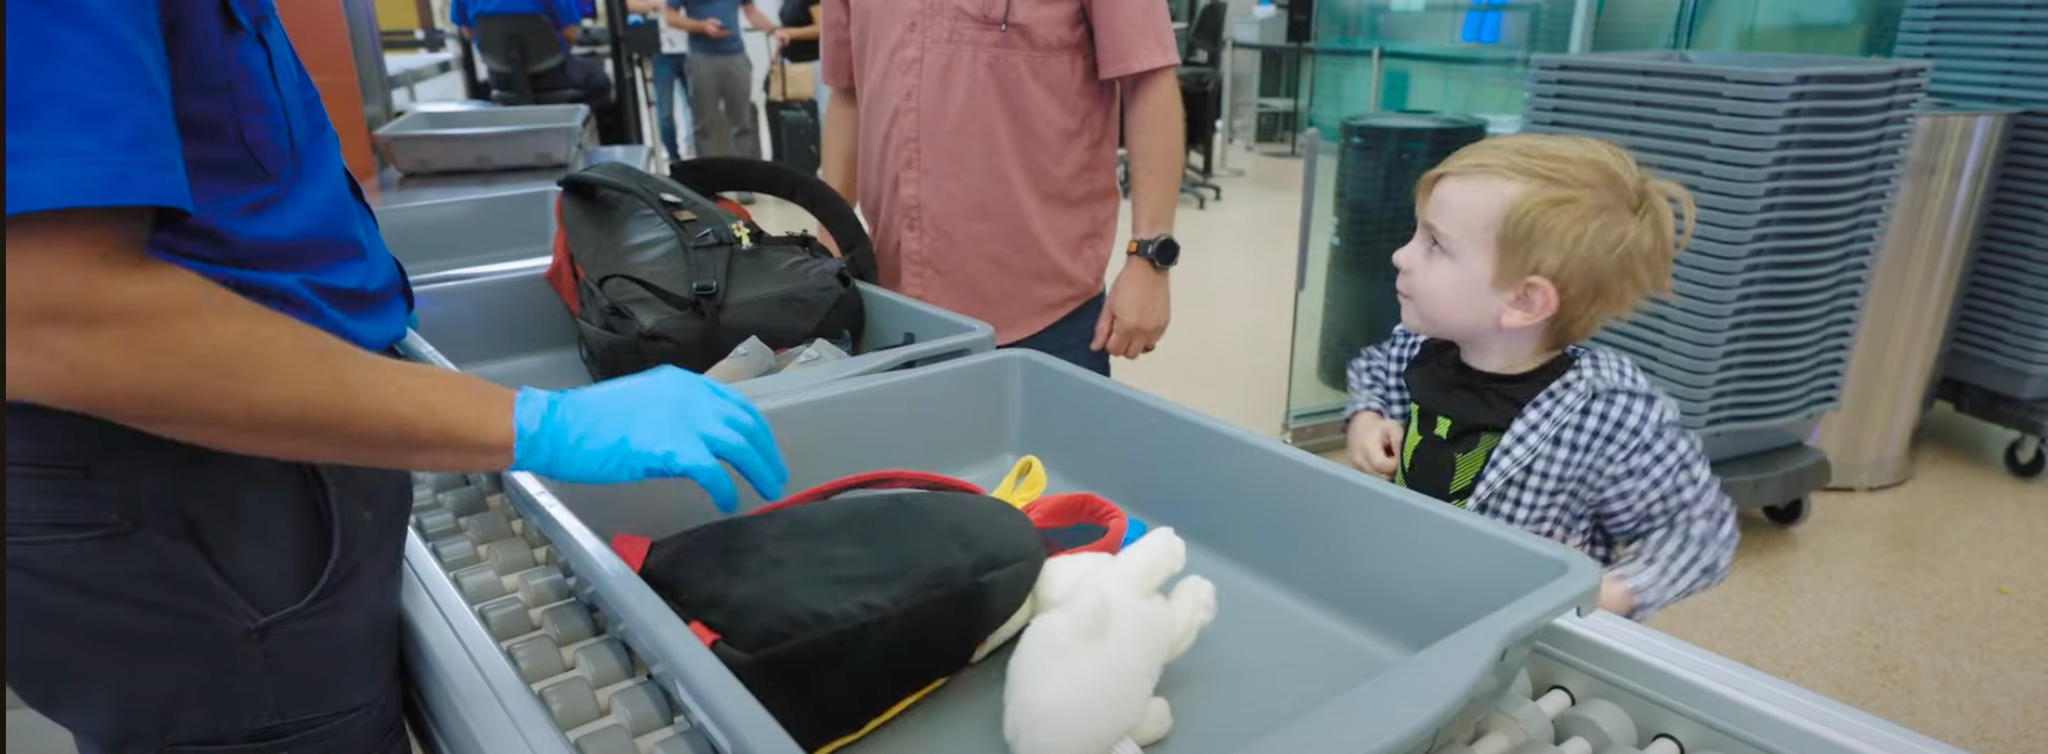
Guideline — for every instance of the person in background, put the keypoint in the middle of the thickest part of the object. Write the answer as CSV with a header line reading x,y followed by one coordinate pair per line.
x,y
575,73
798,41
1485,396
206,432
721,79
668,74
981,143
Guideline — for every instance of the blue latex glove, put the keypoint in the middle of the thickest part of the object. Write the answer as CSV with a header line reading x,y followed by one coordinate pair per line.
x,y
664,422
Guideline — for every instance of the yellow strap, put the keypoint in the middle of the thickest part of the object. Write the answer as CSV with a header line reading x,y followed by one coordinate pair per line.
x,y
1025,483
892,712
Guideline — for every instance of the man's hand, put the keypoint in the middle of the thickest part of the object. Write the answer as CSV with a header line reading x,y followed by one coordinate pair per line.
x,y
664,422
715,29
1135,316
1616,596
1374,443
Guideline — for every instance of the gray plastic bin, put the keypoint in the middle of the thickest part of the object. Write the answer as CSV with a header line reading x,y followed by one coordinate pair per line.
x,y
1736,67
1776,180
1356,616
1545,93
1858,155
1983,369
498,138
452,238
1840,92
510,327
1717,134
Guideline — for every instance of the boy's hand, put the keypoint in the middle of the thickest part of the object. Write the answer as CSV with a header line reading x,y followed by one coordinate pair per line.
x,y
1375,444
1616,596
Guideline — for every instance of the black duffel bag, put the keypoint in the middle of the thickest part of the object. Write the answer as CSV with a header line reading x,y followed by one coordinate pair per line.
x,y
657,273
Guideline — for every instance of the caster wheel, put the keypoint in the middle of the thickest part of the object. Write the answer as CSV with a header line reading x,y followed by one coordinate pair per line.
x,y
2026,467
1789,513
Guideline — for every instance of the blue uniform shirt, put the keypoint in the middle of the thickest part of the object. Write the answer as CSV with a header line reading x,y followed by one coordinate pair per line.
x,y
200,109
564,13
727,12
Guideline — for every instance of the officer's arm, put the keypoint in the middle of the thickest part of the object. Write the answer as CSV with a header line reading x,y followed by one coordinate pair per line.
x,y
97,326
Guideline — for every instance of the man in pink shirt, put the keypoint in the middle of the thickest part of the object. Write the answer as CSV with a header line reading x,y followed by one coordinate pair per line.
x,y
979,137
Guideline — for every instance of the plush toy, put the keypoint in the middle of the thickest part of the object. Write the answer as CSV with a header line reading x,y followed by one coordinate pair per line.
x,y
1081,679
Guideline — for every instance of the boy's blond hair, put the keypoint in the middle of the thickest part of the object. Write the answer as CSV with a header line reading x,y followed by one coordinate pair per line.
x,y
1588,219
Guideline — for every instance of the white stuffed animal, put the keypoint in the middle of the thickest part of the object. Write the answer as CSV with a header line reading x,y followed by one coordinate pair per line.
x,y
1082,676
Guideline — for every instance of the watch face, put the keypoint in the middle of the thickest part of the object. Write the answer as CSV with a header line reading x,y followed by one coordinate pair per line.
x,y
1166,252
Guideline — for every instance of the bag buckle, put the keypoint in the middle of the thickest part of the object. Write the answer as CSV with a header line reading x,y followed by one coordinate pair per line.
x,y
704,288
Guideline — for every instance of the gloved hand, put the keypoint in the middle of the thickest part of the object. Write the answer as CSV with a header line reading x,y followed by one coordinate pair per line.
x,y
664,422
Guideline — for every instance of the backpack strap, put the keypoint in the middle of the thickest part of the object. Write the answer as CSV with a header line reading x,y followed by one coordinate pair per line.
x,y
715,175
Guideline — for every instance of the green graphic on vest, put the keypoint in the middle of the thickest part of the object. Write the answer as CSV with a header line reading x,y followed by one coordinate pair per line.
x,y
1443,462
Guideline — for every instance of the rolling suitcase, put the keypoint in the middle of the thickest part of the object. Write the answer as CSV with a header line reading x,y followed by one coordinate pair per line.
x,y
793,124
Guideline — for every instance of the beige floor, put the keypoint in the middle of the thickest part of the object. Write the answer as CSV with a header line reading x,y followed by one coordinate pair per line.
x,y
1926,603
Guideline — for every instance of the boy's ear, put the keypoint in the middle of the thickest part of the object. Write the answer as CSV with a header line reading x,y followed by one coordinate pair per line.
x,y
1531,302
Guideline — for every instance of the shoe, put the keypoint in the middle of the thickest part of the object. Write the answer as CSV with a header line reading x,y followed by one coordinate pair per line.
x,y
744,197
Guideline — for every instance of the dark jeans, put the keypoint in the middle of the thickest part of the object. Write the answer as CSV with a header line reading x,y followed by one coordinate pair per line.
x,y
1068,339
668,77
162,596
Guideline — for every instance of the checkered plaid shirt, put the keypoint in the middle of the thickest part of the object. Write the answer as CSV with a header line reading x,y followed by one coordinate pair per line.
x,y
1599,462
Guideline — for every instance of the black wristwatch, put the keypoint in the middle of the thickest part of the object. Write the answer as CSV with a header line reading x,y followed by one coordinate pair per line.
x,y
1163,252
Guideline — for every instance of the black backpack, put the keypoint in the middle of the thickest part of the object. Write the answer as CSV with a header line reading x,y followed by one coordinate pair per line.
x,y
656,273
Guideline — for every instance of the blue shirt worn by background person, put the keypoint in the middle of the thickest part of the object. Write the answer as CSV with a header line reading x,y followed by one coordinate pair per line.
x,y
727,12
203,112
564,13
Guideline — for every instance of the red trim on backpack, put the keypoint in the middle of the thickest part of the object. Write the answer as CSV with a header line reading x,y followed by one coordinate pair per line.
x,y
1057,511
874,480
563,274
733,207
704,633
632,548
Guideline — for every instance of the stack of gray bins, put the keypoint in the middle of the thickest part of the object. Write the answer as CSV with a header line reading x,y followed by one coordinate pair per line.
x,y
1794,161
1993,54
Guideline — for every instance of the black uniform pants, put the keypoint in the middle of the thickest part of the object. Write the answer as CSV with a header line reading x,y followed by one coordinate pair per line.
x,y
165,597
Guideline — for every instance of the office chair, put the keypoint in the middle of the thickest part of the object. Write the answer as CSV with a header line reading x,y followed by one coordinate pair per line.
x,y
519,49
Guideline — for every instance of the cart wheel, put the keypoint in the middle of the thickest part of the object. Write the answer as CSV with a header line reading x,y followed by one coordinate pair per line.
x,y
1787,514
2029,465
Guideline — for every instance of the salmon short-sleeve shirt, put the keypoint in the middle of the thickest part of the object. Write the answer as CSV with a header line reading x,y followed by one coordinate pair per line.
x,y
988,138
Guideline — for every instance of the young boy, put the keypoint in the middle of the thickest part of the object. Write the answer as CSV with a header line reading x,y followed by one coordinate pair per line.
x,y
1483,397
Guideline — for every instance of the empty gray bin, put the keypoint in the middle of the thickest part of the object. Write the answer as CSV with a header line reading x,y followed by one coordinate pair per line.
x,y
441,240
510,327
497,138
1736,67
1355,616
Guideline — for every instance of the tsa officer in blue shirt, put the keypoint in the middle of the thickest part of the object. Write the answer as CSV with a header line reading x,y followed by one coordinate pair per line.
x,y
566,15
204,432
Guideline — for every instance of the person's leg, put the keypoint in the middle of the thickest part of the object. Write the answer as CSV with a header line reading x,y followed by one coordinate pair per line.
x,y
823,94
665,78
706,122
1069,338
160,594
738,96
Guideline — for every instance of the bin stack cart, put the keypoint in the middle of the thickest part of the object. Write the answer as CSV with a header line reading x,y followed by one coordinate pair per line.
x,y
1991,53
1794,161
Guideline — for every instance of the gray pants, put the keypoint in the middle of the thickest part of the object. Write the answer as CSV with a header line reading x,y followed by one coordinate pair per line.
x,y
722,105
